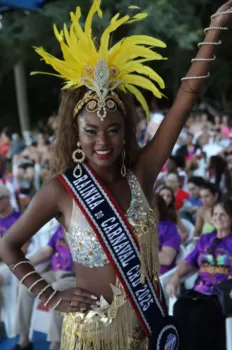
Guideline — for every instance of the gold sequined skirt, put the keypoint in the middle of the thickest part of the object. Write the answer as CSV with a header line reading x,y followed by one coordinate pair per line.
x,y
108,327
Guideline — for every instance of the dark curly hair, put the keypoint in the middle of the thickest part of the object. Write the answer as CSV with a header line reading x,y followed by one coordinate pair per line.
x,y
67,131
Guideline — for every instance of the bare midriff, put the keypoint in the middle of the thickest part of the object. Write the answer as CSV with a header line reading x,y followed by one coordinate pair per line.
x,y
96,280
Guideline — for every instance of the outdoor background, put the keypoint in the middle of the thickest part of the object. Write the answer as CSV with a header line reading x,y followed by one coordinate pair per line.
x,y
179,23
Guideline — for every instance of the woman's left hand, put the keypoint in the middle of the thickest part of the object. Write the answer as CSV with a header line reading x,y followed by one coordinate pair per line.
x,y
222,20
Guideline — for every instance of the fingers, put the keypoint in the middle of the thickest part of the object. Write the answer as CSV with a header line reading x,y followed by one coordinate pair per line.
x,y
75,306
79,299
81,296
83,293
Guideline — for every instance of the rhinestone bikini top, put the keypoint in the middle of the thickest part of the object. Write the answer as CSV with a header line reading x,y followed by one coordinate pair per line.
x,y
82,240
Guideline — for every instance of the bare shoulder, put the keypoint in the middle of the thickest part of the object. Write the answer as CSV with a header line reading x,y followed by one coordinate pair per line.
x,y
201,212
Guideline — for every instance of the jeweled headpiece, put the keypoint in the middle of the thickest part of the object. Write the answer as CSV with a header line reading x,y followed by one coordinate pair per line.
x,y
103,69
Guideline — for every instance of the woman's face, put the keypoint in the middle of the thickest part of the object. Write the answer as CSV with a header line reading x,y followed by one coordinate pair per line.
x,y
220,219
217,120
194,190
101,141
173,182
208,198
166,195
225,119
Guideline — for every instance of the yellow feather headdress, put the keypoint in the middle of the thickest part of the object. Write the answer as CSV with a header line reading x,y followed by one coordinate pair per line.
x,y
103,69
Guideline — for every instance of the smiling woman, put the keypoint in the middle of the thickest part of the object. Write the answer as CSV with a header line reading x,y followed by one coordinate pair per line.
x,y
105,201
199,309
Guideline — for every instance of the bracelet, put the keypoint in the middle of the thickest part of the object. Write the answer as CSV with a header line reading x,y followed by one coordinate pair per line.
x,y
195,78
20,263
204,59
34,284
50,298
57,304
27,275
210,43
221,13
43,290
214,28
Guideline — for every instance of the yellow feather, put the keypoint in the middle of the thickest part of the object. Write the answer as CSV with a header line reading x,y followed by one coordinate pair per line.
x,y
138,17
115,24
134,7
88,24
140,40
127,66
131,52
140,98
144,70
47,73
85,44
58,65
58,35
142,82
128,55
66,35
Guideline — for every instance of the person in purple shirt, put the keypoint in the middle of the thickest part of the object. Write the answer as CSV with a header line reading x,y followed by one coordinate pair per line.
x,y
169,237
60,274
198,311
8,217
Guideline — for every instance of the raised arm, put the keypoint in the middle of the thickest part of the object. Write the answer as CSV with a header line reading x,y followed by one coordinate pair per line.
x,y
154,155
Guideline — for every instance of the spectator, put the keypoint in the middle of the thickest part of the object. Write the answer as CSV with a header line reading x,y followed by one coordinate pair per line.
x,y
4,142
7,214
209,195
173,181
195,183
61,275
219,174
204,137
7,218
169,237
168,195
217,124
226,129
17,145
202,323
188,149
8,180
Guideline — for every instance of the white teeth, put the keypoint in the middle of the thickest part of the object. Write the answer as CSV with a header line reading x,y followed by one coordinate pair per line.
x,y
103,152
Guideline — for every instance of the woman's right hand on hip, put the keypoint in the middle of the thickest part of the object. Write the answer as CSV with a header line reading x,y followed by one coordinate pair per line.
x,y
74,300
173,287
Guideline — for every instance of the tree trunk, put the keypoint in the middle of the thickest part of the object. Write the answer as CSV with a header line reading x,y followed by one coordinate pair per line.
x,y
21,94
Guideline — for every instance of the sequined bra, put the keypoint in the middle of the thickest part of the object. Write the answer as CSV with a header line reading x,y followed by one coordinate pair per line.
x,y
82,240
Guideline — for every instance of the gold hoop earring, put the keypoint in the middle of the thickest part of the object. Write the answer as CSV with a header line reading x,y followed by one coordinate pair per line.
x,y
77,172
123,168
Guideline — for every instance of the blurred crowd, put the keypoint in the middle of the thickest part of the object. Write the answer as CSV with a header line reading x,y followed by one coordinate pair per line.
x,y
195,176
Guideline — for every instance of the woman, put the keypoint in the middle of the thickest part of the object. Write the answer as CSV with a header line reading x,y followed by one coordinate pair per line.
x,y
96,115
209,195
169,237
174,181
168,195
217,124
219,174
226,127
199,314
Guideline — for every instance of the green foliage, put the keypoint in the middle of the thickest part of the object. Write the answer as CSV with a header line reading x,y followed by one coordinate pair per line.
x,y
179,23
